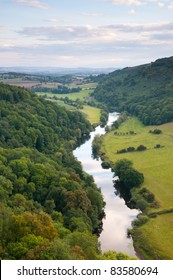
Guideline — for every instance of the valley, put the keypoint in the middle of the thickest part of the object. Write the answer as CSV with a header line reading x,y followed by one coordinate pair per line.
x,y
60,112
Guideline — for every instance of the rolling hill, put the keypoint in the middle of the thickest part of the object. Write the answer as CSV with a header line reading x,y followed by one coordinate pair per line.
x,y
145,91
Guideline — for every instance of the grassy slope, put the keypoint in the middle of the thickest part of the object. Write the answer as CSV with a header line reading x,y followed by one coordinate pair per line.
x,y
92,114
81,95
157,234
156,165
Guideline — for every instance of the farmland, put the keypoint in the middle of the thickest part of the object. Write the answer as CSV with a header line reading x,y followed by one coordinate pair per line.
x,y
156,165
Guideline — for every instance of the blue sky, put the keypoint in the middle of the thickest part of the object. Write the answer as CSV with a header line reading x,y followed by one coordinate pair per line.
x,y
85,33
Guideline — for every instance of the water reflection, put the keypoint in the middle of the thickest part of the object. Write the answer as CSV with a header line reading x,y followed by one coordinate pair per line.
x,y
118,215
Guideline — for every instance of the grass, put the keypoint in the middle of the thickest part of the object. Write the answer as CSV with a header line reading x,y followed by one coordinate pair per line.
x,y
155,164
73,96
157,235
92,114
154,239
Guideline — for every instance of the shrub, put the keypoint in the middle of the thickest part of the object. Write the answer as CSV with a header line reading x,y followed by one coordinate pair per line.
x,y
157,146
130,149
142,204
106,164
141,220
122,151
141,148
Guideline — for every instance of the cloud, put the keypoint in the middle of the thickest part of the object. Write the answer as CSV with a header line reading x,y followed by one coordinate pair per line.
x,y
161,4
132,12
127,2
92,14
170,6
107,45
164,38
66,34
54,20
33,4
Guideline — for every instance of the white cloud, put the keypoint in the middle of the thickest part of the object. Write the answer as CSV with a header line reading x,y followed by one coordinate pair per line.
x,y
33,4
92,14
66,34
54,20
132,12
161,4
127,2
170,6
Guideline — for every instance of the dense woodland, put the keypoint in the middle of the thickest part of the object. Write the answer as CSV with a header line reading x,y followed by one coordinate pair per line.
x,y
145,91
49,208
58,90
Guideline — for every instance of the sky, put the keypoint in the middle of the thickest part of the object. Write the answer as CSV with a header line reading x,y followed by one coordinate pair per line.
x,y
85,33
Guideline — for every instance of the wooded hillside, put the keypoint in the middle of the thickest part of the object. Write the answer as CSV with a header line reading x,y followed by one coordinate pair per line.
x,y
145,91
49,208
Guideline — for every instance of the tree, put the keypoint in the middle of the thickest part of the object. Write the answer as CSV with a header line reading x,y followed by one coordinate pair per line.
x,y
132,178
121,166
129,176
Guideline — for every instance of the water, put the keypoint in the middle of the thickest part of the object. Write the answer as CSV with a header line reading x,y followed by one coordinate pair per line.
x,y
118,215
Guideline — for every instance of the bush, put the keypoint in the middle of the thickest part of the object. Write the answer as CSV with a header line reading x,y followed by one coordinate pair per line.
x,y
106,164
155,131
157,146
122,151
130,177
142,204
141,148
141,220
130,149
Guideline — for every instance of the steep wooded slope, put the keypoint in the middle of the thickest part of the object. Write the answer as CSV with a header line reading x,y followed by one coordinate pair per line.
x,y
145,91
49,208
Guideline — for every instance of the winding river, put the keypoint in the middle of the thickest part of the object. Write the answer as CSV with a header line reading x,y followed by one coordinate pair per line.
x,y
118,215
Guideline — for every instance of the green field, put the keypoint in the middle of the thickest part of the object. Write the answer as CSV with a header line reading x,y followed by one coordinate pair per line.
x,y
157,234
156,165
81,95
91,113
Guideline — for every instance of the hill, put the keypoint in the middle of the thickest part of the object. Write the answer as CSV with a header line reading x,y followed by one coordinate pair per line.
x,y
49,208
145,91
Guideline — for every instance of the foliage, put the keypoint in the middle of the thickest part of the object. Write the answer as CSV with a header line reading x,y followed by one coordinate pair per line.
x,y
45,197
156,131
145,91
103,118
106,164
96,146
58,90
130,177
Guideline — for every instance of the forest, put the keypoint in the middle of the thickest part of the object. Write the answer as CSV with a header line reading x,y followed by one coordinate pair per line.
x,y
49,208
145,91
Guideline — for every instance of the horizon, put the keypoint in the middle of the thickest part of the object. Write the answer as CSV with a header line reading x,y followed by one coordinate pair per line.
x,y
96,34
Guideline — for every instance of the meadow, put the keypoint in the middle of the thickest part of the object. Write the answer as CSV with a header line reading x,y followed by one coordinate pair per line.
x,y
156,165
73,96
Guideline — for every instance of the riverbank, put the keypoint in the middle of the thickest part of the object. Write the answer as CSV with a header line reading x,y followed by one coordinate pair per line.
x,y
156,164
118,215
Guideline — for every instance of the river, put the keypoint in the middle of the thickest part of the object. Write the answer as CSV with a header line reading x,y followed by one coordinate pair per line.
x,y
118,215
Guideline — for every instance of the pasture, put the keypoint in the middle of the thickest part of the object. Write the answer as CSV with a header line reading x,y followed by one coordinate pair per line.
x,y
153,239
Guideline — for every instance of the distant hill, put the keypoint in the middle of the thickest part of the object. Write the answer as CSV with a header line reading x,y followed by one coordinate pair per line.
x,y
145,91
60,71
